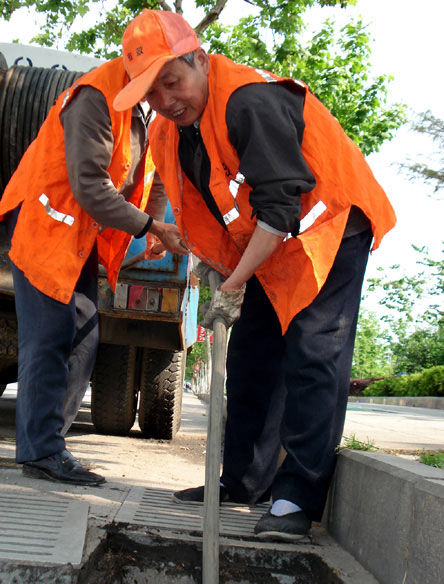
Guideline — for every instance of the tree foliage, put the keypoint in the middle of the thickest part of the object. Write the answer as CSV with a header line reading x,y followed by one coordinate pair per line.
x,y
114,15
372,355
197,355
334,64
426,382
423,349
413,313
432,172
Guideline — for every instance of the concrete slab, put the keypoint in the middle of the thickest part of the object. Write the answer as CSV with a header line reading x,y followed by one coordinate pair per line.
x,y
426,536
155,509
388,513
40,529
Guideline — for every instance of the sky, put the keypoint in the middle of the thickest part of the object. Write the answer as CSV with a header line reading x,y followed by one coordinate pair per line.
x,y
407,44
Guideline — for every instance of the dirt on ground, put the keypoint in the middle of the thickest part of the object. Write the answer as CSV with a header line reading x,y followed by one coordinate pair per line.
x,y
129,460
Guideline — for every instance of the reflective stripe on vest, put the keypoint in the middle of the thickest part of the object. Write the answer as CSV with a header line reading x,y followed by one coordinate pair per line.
x,y
234,187
268,78
57,215
308,220
149,177
231,216
235,183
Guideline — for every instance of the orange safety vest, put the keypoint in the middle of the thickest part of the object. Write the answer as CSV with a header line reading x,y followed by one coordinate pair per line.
x,y
294,274
54,235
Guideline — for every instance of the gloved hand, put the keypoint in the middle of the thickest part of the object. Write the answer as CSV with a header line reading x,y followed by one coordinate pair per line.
x,y
224,304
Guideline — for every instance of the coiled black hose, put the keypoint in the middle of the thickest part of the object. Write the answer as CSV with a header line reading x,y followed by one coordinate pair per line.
x,y
26,96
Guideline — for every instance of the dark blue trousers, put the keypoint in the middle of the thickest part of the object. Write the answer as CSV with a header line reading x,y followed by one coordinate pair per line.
x,y
57,350
291,391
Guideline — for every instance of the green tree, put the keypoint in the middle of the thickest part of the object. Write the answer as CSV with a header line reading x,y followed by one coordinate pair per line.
x,y
113,16
335,64
432,172
197,354
413,312
372,355
422,349
199,350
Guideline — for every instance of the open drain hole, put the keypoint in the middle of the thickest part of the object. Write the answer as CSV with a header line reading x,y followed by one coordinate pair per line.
x,y
131,557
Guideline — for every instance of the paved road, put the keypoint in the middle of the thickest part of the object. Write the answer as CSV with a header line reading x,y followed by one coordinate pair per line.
x,y
396,427
388,427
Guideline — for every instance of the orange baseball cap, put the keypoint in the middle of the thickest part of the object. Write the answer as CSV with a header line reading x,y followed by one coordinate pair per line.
x,y
151,39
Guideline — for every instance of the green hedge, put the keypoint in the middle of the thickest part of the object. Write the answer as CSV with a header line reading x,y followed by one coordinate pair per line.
x,y
427,382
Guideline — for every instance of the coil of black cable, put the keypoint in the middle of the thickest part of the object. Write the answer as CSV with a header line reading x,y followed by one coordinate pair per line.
x,y
26,96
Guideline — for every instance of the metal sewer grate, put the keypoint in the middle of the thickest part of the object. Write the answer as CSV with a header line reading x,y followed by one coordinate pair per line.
x,y
154,508
37,529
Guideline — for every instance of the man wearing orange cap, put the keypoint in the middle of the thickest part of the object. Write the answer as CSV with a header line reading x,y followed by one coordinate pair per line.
x,y
268,190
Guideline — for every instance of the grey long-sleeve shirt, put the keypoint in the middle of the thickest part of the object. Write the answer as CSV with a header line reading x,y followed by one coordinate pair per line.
x,y
88,153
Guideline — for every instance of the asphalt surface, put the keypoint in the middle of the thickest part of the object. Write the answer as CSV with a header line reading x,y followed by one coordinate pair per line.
x,y
387,427
397,428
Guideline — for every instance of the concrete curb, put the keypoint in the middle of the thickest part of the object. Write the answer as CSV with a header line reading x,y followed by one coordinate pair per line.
x,y
436,403
388,513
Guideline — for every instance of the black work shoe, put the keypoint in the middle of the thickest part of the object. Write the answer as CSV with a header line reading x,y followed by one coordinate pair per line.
x,y
284,528
195,496
61,467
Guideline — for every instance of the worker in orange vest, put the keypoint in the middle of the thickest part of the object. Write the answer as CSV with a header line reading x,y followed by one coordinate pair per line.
x,y
268,190
80,193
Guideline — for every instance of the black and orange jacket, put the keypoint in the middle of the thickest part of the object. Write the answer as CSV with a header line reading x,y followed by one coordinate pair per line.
x,y
294,274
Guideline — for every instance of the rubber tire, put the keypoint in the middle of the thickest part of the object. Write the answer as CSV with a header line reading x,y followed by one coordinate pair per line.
x,y
161,391
114,392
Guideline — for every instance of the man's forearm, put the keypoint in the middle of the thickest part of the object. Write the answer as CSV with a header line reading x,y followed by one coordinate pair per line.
x,y
260,247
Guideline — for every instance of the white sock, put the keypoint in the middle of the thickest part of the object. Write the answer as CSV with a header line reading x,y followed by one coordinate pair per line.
x,y
283,507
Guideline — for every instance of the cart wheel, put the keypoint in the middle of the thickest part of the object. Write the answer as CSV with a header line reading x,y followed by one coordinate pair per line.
x,y
114,392
161,390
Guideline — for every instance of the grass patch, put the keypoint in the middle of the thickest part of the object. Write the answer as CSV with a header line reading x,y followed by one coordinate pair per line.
x,y
352,443
431,459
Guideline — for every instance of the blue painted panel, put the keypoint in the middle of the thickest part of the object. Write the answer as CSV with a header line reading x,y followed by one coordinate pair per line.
x,y
171,268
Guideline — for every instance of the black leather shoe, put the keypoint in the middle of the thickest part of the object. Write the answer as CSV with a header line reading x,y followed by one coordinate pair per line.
x,y
62,467
195,496
288,527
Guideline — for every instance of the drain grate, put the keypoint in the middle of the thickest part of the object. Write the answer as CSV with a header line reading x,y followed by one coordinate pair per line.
x,y
155,509
37,529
